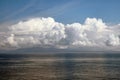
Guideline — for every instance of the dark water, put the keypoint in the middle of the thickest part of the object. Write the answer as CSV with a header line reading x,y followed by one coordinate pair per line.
x,y
60,66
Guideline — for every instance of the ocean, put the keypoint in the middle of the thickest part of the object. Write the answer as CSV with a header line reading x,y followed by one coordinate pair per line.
x,y
60,66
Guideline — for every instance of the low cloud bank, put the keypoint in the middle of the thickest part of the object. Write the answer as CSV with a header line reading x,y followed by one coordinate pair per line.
x,y
46,32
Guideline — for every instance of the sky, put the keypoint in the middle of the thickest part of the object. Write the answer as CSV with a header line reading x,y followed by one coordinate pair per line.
x,y
60,24
65,11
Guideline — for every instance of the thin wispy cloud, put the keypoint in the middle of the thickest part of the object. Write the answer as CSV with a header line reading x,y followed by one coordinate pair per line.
x,y
55,10
73,24
21,10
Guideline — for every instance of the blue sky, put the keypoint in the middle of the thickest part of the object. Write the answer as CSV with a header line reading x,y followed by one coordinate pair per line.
x,y
65,11
60,24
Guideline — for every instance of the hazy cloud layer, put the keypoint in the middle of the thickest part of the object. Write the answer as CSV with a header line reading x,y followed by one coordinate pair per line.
x,y
46,32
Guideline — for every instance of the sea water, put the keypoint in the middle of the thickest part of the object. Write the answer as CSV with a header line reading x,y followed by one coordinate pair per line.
x,y
60,66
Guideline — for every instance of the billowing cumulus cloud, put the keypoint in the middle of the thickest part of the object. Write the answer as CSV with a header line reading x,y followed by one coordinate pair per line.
x,y
113,40
46,32
36,32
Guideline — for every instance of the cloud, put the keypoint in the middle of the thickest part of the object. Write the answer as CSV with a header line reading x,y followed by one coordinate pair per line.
x,y
18,11
46,32
113,40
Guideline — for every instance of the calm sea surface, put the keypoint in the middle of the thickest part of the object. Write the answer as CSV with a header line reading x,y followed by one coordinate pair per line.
x,y
60,66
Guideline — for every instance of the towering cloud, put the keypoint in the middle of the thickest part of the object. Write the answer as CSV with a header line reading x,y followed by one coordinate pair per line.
x,y
46,32
36,32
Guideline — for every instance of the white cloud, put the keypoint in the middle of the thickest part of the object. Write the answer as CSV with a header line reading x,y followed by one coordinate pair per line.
x,y
36,32
113,40
95,25
76,35
11,41
42,32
